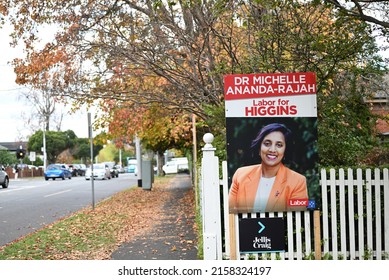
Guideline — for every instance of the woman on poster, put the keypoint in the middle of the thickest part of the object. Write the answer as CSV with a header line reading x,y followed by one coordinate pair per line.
x,y
269,186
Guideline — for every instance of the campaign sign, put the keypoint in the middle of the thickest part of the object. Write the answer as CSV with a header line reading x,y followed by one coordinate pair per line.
x,y
256,105
261,235
270,95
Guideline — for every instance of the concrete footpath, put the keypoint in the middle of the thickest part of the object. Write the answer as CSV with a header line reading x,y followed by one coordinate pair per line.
x,y
171,238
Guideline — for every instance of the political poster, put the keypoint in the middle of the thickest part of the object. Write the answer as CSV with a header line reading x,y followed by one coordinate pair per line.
x,y
271,130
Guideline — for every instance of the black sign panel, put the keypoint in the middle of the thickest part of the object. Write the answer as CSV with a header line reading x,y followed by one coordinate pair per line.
x,y
258,235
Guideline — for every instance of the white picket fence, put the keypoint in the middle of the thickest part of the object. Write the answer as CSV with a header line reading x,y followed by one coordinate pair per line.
x,y
354,220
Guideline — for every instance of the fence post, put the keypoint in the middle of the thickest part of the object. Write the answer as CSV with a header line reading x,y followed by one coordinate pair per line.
x,y
212,241
317,234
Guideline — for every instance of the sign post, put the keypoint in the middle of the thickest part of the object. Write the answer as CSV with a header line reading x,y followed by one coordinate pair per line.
x,y
210,193
91,157
32,158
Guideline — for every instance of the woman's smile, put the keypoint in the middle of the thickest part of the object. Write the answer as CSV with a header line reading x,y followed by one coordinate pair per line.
x,y
271,157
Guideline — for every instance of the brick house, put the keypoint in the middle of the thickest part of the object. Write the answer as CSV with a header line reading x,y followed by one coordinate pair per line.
x,y
380,107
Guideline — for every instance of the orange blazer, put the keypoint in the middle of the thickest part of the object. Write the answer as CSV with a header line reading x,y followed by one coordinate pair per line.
x,y
287,185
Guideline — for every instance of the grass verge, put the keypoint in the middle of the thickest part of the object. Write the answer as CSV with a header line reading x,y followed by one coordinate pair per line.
x,y
94,234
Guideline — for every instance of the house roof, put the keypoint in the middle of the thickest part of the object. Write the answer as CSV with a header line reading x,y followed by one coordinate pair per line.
x,y
12,146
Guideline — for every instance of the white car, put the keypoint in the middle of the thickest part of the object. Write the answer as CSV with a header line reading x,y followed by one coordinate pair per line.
x,y
4,180
120,168
100,171
176,165
170,167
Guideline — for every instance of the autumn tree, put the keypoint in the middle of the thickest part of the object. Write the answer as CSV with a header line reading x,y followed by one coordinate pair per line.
x,y
150,39
175,53
159,128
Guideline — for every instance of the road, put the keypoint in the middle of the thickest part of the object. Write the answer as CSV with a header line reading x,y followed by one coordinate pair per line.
x,y
29,204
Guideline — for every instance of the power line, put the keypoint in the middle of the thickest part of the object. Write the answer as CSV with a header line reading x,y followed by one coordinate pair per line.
x,y
12,89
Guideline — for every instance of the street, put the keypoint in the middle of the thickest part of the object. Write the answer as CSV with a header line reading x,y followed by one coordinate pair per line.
x,y
30,204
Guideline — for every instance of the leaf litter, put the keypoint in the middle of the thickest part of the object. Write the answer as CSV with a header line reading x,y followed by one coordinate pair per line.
x,y
95,234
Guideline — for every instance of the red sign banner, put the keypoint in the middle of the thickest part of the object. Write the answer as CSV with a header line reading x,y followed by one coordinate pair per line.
x,y
244,86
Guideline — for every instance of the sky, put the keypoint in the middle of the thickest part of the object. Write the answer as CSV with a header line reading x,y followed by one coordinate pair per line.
x,y
12,124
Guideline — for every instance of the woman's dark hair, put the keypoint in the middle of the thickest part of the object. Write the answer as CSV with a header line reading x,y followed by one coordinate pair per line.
x,y
269,129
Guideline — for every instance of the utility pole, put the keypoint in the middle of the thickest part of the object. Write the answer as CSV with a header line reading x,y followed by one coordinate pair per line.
x,y
138,151
44,148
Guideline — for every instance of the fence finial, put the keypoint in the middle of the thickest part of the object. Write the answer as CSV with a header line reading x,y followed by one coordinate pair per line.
x,y
208,139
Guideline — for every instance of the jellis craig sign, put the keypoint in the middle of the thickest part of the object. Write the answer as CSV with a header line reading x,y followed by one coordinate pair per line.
x,y
261,235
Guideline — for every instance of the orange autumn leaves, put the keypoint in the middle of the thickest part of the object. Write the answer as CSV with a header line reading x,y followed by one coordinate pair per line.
x,y
157,126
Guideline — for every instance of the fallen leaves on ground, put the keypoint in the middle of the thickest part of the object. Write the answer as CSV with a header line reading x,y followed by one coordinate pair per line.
x,y
94,234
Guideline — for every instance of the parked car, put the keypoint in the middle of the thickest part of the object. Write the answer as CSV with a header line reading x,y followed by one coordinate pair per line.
x,y
170,167
100,171
74,169
112,168
120,168
30,166
22,165
182,164
82,169
176,165
77,169
132,168
4,179
56,170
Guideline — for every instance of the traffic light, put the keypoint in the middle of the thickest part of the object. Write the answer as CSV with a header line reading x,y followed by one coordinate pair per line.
x,y
20,153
